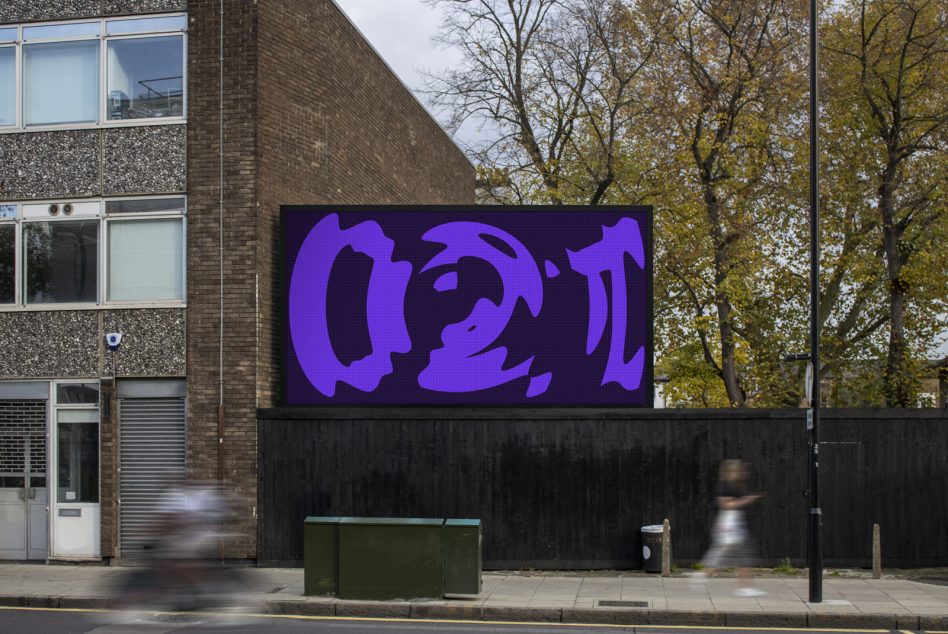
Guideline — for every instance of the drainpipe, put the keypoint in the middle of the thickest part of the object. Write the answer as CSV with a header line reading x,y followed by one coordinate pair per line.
x,y
220,203
220,371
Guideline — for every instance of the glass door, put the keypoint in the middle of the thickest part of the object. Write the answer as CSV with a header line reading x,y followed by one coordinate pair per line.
x,y
76,513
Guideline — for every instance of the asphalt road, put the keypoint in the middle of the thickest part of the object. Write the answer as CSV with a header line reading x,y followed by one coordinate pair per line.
x,y
41,621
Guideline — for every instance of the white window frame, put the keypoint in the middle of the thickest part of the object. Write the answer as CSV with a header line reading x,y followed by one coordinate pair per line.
x,y
102,89
102,280
53,408
22,270
107,218
17,256
17,88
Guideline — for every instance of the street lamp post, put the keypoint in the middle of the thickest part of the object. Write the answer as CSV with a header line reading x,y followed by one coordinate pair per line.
x,y
814,537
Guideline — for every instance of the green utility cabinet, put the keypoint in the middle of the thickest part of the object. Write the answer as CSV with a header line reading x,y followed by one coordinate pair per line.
x,y
321,555
462,556
390,558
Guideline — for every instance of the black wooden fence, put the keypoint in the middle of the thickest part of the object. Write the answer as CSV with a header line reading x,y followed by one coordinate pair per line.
x,y
570,488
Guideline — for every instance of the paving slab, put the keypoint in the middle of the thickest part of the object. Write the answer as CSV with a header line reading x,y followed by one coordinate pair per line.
x,y
547,597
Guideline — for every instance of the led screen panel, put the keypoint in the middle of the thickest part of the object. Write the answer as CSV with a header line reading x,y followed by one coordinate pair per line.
x,y
472,306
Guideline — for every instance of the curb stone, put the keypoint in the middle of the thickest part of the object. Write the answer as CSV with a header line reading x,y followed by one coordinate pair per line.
x,y
686,617
766,619
854,621
300,608
618,616
933,622
532,615
460,612
905,622
42,601
92,603
373,609
9,601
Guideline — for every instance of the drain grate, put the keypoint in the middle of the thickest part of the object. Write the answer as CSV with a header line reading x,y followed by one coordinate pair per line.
x,y
623,604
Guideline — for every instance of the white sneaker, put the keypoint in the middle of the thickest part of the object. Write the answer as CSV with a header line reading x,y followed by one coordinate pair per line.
x,y
749,592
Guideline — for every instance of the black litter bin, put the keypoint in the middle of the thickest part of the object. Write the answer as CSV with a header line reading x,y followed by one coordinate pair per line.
x,y
652,548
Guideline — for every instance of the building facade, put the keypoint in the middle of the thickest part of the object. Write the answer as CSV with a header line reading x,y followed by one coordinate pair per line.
x,y
145,149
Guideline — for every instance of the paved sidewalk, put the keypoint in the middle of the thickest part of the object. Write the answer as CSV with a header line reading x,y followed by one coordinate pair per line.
x,y
568,598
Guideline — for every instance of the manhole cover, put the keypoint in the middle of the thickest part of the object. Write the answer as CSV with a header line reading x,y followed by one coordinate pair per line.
x,y
623,604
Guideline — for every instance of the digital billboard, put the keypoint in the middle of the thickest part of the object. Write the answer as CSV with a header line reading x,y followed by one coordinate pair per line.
x,y
467,306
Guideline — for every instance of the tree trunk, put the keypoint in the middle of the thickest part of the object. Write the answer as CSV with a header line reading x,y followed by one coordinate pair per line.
x,y
896,382
722,302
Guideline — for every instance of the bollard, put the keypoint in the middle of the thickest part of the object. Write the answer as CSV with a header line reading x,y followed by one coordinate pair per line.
x,y
876,552
666,548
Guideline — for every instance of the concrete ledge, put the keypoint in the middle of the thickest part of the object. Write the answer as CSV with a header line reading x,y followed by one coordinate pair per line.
x,y
88,603
766,619
8,601
435,611
301,608
42,602
373,609
906,622
530,615
855,621
933,622
605,615
686,617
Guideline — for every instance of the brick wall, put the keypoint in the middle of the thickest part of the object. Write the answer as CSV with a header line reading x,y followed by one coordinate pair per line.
x,y
336,126
312,115
108,467
239,466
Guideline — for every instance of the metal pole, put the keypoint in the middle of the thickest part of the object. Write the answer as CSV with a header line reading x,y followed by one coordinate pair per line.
x,y
814,545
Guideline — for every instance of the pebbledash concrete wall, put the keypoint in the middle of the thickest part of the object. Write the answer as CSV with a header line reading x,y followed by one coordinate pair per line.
x,y
311,115
91,163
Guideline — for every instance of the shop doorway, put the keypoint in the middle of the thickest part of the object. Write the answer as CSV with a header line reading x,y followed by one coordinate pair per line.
x,y
24,527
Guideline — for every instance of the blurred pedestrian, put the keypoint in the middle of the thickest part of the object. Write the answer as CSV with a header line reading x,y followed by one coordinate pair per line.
x,y
731,543
183,570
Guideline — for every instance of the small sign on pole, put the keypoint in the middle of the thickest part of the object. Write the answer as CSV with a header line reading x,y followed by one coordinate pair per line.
x,y
808,386
809,418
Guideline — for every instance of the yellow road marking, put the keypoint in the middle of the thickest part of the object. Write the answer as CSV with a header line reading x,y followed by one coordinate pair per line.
x,y
303,617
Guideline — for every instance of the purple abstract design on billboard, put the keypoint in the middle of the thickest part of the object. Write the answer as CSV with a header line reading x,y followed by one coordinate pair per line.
x,y
467,306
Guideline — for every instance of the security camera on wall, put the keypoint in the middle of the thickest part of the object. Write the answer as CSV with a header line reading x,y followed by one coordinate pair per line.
x,y
113,340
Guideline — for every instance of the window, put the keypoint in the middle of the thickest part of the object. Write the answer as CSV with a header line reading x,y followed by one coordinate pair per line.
x,y
55,253
77,393
145,249
7,263
78,441
60,82
61,261
53,71
145,79
7,86
146,259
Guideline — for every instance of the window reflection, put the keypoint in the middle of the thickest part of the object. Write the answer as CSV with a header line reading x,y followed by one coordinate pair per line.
x,y
78,441
145,78
61,261
7,263
74,393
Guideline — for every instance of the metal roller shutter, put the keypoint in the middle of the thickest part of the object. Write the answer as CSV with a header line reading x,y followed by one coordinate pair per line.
x,y
151,450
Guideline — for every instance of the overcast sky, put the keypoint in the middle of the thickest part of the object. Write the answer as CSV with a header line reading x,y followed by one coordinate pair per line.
x,y
401,31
